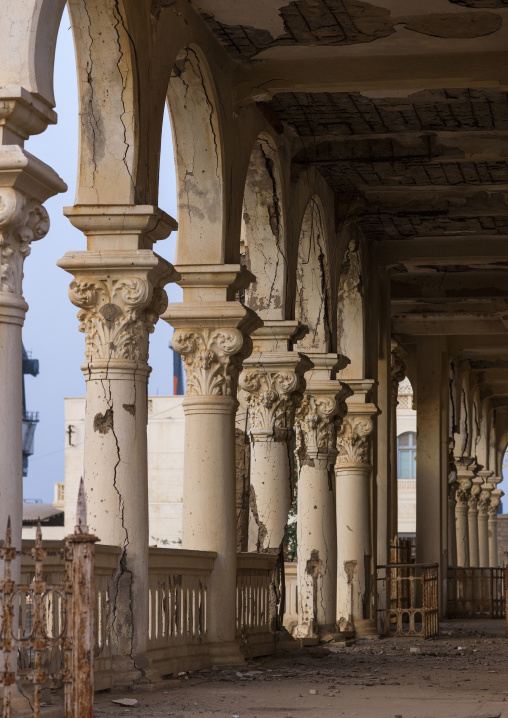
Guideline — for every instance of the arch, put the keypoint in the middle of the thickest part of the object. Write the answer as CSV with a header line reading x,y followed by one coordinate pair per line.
x,y
108,82
197,141
29,30
263,231
312,280
482,444
350,312
463,444
476,428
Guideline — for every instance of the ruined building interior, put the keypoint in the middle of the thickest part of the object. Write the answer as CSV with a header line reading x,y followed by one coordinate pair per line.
x,y
342,224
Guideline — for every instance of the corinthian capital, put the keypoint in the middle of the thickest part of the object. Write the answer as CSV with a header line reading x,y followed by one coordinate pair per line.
x,y
495,502
22,221
270,397
463,492
210,358
353,439
120,296
316,422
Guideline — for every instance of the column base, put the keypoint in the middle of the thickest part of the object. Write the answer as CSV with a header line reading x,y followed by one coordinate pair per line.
x,y
125,673
365,628
226,654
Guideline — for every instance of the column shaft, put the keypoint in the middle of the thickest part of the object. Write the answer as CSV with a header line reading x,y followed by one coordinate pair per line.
x,y
209,516
210,333
356,567
461,523
270,388
271,493
317,554
12,313
320,412
120,295
472,524
25,183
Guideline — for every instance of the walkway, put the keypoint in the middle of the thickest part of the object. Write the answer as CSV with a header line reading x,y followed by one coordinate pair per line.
x,y
462,674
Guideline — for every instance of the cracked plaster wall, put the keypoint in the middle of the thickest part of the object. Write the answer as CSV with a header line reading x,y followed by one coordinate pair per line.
x,y
312,281
109,108
263,229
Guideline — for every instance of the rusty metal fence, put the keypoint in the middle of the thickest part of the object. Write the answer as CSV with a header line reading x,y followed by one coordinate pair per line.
x,y
412,607
42,621
476,592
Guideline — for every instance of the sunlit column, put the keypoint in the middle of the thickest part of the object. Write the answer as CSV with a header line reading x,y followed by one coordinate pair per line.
x,y
322,408
270,389
25,183
355,557
211,334
119,289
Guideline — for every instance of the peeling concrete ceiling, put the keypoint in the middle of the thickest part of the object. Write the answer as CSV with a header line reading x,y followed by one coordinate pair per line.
x,y
416,168
253,29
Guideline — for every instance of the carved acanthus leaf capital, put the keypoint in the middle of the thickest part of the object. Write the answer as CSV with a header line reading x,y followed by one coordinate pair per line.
x,y
22,221
495,503
353,439
270,397
315,427
463,493
210,358
117,314
484,502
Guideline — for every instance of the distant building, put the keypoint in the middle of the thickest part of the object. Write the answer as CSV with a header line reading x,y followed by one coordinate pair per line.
x,y
406,459
30,418
165,465
51,517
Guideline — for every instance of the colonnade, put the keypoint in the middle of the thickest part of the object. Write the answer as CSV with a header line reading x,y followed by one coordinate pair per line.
x,y
287,311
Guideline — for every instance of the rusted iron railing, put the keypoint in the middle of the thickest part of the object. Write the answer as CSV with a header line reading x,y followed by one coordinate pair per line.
x,y
475,592
412,608
39,617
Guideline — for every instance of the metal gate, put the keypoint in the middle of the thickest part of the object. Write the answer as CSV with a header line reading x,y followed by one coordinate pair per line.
x,y
475,593
411,599
39,619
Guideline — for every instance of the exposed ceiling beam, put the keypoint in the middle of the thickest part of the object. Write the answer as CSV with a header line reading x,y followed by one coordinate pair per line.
x,y
332,70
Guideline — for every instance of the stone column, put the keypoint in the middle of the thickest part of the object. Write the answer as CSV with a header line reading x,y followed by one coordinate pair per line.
x,y
495,501
472,521
120,295
270,387
355,554
25,183
451,531
322,407
483,518
398,373
211,334
462,495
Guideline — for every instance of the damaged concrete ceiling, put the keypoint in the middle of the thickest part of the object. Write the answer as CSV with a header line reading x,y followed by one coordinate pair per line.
x,y
423,167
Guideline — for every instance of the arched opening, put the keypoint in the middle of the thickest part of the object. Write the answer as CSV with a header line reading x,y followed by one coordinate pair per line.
x,y
263,232
406,460
312,281
198,154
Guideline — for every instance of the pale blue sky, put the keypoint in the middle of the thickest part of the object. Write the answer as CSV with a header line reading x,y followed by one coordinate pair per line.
x,y
51,328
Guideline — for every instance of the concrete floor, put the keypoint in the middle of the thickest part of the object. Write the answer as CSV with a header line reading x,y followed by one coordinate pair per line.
x,y
462,674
